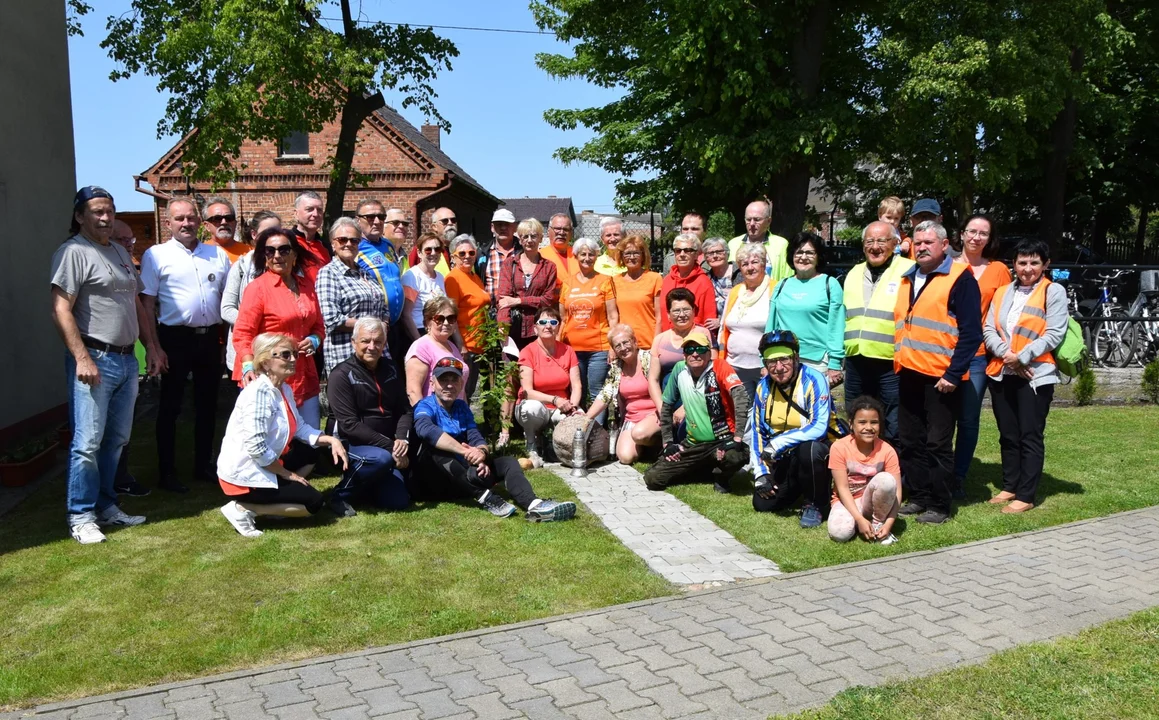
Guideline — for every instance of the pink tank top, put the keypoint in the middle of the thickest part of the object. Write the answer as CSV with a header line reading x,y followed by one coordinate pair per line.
x,y
634,393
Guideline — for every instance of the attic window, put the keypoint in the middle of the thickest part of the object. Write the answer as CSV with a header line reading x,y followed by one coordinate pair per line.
x,y
295,145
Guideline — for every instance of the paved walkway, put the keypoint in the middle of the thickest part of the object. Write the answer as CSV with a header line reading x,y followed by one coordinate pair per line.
x,y
744,651
678,543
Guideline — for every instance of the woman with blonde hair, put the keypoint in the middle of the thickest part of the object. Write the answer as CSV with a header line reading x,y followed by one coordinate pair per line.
x,y
635,416
257,468
638,290
441,320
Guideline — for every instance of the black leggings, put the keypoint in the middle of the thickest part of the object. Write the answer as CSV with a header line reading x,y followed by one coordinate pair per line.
x,y
288,492
805,471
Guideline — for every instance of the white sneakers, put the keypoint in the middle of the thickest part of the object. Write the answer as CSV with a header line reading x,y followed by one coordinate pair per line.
x,y
87,533
87,528
241,519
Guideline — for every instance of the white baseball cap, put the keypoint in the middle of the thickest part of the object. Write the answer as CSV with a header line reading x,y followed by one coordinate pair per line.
x,y
503,215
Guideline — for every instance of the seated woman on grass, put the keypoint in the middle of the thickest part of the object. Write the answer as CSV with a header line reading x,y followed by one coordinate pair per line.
x,y
635,418
257,468
866,491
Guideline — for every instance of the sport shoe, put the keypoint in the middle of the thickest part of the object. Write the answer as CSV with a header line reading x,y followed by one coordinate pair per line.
x,y
130,486
87,533
113,515
536,460
810,516
550,510
722,489
888,541
496,505
241,519
341,508
932,517
911,508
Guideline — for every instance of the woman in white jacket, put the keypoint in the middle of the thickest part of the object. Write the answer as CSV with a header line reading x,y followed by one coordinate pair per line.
x,y
261,427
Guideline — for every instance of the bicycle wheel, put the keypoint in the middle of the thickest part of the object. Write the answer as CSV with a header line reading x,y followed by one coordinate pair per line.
x,y
1114,343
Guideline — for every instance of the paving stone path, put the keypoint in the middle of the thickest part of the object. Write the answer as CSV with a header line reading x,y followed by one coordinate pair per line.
x,y
677,542
743,651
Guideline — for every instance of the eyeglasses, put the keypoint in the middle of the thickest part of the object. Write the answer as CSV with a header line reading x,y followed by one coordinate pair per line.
x,y
623,345
777,362
632,254
131,240
683,313
466,254
876,242
682,251
547,322
977,233
398,223
696,350
373,216
715,254
279,250
218,219
444,319
805,254
447,221
450,362
342,240
528,236
430,250
287,355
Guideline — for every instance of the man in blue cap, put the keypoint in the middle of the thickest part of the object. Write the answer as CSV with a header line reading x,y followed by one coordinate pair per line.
x,y
97,310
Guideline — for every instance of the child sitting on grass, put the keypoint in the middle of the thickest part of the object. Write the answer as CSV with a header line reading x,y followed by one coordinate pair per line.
x,y
866,490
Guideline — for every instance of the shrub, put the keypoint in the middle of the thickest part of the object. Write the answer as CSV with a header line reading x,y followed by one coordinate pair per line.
x,y
1151,381
498,376
849,236
1084,387
720,224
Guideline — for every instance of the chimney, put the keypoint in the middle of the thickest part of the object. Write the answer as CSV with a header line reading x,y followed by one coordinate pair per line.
x,y
431,132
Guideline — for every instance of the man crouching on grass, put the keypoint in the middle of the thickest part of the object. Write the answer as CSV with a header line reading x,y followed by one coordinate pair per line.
x,y
452,459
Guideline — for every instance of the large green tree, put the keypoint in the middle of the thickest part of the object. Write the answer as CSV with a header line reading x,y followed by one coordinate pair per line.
x,y
238,70
723,101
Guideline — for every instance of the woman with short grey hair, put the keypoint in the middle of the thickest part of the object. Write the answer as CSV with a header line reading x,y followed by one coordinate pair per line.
x,y
346,292
723,275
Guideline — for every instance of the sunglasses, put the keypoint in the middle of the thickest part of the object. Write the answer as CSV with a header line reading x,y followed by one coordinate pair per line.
x,y
373,216
466,254
444,319
430,250
450,362
547,322
398,223
447,221
696,350
681,251
279,250
343,240
218,219
287,355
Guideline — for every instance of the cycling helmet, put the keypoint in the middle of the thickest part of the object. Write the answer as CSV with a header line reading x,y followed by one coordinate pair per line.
x,y
775,338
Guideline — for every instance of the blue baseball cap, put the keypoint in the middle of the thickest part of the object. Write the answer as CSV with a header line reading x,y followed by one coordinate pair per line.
x,y
926,205
89,192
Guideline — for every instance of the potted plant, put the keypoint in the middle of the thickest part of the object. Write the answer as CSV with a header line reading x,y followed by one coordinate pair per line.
x,y
21,464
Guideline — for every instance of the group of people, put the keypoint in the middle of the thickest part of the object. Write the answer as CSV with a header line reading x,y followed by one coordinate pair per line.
x,y
725,361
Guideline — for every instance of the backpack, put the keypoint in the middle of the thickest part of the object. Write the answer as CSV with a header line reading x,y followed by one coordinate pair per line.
x,y
1072,356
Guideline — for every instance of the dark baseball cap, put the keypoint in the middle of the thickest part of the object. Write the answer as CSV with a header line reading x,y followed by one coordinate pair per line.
x,y
926,205
89,192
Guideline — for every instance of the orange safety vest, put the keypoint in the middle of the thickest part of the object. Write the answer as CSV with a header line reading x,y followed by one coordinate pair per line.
x,y
1031,325
925,334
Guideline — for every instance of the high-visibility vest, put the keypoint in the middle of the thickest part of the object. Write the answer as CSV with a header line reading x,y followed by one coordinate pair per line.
x,y
869,327
1031,325
925,334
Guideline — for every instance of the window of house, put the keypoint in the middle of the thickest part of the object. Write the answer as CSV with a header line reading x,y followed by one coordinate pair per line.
x,y
296,144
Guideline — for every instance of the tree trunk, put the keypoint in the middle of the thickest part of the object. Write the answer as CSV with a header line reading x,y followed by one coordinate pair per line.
x,y
354,112
1052,206
1141,234
790,195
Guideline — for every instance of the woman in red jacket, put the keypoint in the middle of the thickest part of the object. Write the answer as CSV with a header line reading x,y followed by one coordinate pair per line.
x,y
281,299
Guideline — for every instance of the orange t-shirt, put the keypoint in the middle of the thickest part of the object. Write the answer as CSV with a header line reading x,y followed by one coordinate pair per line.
x,y
585,302
636,303
861,468
565,267
466,289
234,251
993,277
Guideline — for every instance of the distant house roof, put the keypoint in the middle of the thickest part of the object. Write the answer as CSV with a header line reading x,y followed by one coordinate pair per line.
x,y
589,224
540,208
415,137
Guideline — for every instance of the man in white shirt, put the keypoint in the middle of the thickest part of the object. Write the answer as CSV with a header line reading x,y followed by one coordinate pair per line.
x,y
183,282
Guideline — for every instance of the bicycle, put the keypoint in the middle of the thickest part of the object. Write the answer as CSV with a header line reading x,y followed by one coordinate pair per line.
x,y
1146,305
1112,341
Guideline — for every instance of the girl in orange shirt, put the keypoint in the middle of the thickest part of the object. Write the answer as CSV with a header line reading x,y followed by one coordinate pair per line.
x,y
979,240
588,303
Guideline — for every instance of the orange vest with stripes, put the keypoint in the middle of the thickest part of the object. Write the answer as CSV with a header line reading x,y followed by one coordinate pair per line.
x,y
1031,325
925,334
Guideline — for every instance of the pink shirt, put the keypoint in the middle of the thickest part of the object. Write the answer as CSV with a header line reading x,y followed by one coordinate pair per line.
x,y
427,350
637,402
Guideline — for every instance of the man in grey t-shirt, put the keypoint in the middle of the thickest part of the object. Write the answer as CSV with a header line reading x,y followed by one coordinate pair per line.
x,y
97,311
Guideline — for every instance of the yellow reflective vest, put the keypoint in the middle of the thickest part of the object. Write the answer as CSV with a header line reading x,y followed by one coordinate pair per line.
x,y
869,327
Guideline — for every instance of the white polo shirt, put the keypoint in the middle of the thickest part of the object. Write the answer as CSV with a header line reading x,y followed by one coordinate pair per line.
x,y
187,283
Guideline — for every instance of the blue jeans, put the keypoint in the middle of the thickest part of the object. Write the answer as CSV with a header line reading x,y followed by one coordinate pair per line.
x,y
969,415
876,378
372,471
102,418
593,367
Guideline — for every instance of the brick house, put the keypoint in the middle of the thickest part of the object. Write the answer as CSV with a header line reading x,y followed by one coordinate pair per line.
x,y
406,168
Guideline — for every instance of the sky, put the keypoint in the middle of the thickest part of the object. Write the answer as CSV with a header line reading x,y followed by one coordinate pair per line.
x,y
508,150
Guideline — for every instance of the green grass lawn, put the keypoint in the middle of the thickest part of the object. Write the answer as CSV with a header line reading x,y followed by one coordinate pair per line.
x,y
1109,672
1098,462
185,595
